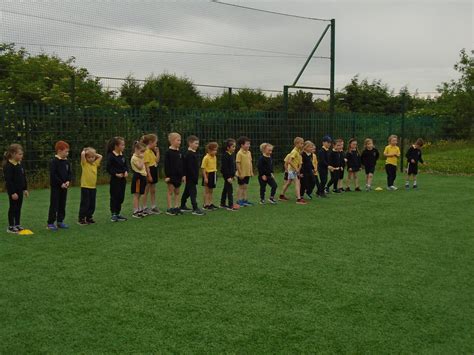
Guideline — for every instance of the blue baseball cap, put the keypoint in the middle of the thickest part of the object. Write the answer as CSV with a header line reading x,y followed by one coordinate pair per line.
x,y
327,139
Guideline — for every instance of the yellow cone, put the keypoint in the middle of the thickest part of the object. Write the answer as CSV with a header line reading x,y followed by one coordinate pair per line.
x,y
25,232
378,189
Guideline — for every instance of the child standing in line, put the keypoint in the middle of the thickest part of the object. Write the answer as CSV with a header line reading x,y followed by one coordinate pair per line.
x,y
228,169
315,171
294,167
139,178
60,180
174,173
209,175
151,158
244,171
16,186
336,166
117,168
323,166
308,180
353,165
191,173
391,152
90,161
413,157
265,173
368,159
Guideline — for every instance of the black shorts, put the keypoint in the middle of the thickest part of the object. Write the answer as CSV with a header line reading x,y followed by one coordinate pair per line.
x,y
369,170
211,180
176,182
285,176
412,169
138,184
243,181
154,174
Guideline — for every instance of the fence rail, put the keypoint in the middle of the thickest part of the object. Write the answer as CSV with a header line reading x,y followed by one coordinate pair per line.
x,y
38,127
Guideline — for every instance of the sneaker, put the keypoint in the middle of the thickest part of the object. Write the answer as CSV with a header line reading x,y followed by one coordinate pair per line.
x,y
137,214
12,230
272,201
326,190
90,221
241,203
301,201
348,189
114,218
171,212
198,212
206,207
323,196
393,188
262,202
248,203
231,208
82,222
145,212
283,198
309,196
407,186
367,187
121,218
155,210
415,186
62,225
213,207
185,209
52,227
223,206
19,228
177,211
357,189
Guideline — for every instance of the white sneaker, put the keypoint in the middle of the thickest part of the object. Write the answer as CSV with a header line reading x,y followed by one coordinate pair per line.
x,y
393,188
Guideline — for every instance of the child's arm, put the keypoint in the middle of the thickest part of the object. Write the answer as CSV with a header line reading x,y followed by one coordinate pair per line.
x,y
98,158
204,174
83,156
157,152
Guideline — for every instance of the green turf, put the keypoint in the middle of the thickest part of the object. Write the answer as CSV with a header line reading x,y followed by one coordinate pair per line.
x,y
362,272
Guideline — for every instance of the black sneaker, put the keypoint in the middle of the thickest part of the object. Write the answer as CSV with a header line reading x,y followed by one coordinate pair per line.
x,y
12,230
262,202
198,212
415,187
137,214
178,211
171,212
272,200
213,207
120,218
19,228
90,220
185,209
82,222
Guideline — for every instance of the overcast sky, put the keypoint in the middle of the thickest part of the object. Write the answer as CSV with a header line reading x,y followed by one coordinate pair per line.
x,y
412,43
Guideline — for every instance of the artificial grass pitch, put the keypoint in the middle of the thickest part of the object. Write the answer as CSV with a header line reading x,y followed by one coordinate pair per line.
x,y
359,272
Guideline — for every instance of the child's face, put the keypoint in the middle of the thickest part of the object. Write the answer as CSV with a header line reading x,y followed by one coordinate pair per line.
x,y
176,142
140,153
90,158
246,146
326,145
18,156
63,153
313,149
152,145
307,149
268,150
231,148
370,145
353,145
213,152
120,147
394,141
339,147
194,145
300,145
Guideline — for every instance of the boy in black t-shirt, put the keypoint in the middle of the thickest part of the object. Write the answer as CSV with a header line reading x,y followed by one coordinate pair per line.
x,y
413,158
191,173
174,174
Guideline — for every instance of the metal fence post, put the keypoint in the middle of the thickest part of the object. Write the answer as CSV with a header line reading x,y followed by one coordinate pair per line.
x,y
402,133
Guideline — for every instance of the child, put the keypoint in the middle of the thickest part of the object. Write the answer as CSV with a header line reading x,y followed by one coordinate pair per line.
x,y
90,161
391,152
228,170
294,167
368,159
191,173
151,158
308,180
139,178
15,181
336,166
209,175
285,168
353,165
323,166
244,171
118,170
265,173
60,180
413,157
315,170
174,174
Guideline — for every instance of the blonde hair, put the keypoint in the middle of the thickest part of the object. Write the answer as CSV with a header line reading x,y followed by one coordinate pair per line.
x,y
298,140
391,137
139,146
367,141
308,144
89,151
264,146
172,136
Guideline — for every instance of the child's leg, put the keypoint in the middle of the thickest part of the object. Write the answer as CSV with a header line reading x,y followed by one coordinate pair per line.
x,y
286,186
356,180
62,205
185,195
176,197
245,192
169,195
121,194
152,191
192,191
206,193
210,196
136,202
145,195
11,212
19,203
92,199
84,205
53,205
263,186
273,186
297,188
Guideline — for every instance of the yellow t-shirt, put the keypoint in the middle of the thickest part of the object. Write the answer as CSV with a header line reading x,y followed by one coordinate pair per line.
x,y
296,160
244,158
89,174
392,150
134,162
149,157
209,163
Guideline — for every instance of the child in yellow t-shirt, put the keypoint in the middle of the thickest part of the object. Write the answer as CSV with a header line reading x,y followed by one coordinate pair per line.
x,y
391,152
90,161
209,175
151,159
294,163
243,161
